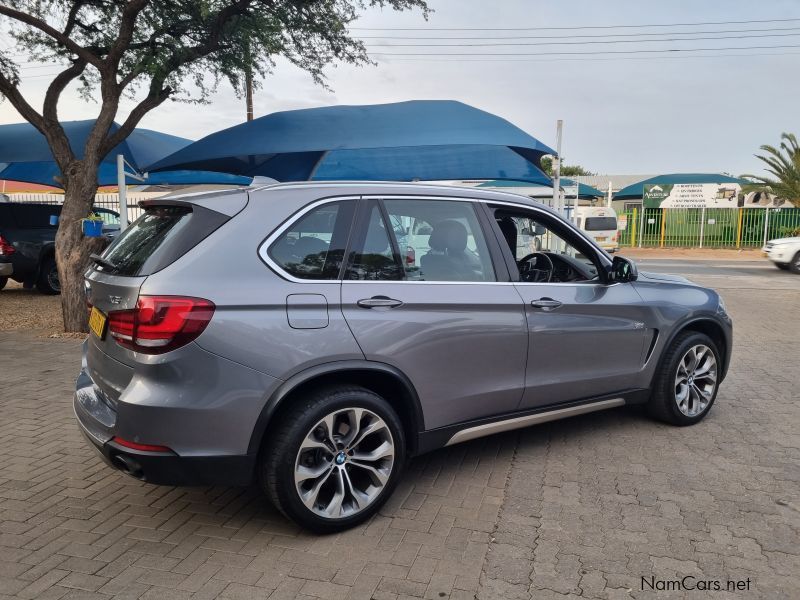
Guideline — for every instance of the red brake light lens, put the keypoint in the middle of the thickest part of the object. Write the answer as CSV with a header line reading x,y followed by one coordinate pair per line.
x,y
6,249
159,324
141,447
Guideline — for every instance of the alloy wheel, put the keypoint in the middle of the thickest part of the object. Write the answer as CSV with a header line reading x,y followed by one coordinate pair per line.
x,y
696,380
52,279
344,463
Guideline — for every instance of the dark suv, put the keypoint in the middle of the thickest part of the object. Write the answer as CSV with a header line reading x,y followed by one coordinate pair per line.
x,y
312,337
27,243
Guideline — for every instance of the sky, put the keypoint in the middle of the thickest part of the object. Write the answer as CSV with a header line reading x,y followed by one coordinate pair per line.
x,y
648,113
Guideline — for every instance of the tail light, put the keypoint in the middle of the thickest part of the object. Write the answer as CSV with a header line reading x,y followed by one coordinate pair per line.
x,y
6,249
159,324
411,255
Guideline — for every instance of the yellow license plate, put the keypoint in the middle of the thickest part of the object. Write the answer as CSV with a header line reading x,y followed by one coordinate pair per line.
x,y
97,322
601,239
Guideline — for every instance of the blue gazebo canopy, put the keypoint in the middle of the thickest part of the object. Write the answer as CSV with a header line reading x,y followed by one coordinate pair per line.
x,y
584,191
26,156
636,190
420,139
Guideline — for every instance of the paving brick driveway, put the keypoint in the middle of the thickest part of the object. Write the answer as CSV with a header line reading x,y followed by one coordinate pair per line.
x,y
584,507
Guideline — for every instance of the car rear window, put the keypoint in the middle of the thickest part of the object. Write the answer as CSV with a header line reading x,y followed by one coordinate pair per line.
x,y
600,223
158,238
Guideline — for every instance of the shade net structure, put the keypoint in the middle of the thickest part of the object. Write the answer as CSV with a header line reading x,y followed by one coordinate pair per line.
x,y
26,156
586,192
405,141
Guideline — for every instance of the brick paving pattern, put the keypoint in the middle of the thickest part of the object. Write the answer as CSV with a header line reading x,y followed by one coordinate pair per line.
x,y
578,508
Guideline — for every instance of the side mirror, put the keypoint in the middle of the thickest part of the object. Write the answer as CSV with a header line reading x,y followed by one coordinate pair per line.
x,y
623,270
539,230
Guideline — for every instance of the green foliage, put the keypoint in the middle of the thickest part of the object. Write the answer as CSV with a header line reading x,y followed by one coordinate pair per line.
x,y
566,170
175,42
783,164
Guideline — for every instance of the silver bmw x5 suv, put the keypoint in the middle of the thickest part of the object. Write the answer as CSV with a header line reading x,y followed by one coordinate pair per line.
x,y
313,337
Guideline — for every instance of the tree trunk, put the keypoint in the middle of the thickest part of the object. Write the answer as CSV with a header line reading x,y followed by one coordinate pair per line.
x,y
72,248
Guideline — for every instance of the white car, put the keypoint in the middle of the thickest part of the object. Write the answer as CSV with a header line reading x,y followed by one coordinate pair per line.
x,y
784,252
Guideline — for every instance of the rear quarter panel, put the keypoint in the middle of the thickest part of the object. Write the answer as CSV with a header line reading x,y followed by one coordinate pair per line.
x,y
250,324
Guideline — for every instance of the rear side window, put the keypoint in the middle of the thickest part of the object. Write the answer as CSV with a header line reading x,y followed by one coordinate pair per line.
x,y
600,223
158,238
313,246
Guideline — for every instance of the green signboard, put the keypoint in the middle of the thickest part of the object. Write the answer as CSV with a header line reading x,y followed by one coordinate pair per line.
x,y
654,194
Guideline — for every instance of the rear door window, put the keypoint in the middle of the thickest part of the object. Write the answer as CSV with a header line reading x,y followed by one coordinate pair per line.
x,y
441,240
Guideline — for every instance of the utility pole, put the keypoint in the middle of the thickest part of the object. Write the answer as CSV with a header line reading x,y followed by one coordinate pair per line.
x,y
248,92
557,169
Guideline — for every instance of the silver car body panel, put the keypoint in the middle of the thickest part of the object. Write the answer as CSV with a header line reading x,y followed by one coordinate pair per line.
x,y
467,351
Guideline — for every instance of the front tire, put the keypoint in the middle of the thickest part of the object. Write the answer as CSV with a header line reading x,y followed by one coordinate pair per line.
x,y
334,458
48,282
794,265
687,381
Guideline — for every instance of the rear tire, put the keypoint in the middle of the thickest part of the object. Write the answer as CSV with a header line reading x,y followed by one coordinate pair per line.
x,y
3,282
333,459
794,265
48,277
687,381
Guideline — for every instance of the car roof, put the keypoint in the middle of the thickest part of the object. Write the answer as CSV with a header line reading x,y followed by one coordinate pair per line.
x,y
358,188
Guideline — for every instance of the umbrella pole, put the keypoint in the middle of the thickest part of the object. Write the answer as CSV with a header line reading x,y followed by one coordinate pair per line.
x,y
121,192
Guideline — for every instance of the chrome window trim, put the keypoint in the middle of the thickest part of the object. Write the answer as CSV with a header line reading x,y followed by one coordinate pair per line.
x,y
263,249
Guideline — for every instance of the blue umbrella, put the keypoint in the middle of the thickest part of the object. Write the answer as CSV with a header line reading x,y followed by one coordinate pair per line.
x,y
25,156
420,139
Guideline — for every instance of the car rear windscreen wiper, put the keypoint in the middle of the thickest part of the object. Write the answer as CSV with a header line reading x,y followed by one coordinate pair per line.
x,y
103,262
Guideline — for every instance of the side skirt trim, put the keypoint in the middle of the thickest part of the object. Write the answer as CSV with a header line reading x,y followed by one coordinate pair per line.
x,y
472,433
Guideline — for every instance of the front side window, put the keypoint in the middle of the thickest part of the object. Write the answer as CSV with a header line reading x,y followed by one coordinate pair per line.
x,y
313,246
544,253
439,240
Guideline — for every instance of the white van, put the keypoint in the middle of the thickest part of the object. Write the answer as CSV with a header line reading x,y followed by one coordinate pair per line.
x,y
600,224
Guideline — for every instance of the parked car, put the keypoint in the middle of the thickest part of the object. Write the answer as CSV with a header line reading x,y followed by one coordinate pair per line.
x,y
784,252
27,243
278,335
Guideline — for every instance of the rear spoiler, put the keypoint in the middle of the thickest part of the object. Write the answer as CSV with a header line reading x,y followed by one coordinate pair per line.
x,y
227,202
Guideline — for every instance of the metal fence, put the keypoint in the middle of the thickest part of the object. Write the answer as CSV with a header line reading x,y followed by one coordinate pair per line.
x,y
109,201
706,227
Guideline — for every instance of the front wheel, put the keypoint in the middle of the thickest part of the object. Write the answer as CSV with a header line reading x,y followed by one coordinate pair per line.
x,y
334,458
794,265
687,381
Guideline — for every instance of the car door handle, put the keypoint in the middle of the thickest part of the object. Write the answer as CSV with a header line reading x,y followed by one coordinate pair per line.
x,y
379,302
546,303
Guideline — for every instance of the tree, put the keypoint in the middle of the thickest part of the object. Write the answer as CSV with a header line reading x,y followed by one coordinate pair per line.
x,y
566,170
784,166
152,51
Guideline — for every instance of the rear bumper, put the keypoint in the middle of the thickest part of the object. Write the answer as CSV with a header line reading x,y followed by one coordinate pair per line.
x,y
100,420
163,468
